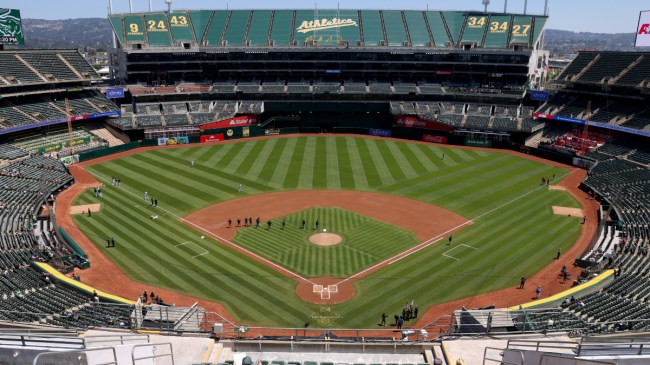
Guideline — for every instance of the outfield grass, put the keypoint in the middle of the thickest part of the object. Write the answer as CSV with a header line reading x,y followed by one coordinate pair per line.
x,y
365,242
511,239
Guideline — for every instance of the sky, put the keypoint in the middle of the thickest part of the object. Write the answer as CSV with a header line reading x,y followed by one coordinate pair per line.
x,y
598,16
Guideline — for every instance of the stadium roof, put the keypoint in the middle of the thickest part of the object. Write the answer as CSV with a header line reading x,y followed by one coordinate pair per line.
x,y
327,27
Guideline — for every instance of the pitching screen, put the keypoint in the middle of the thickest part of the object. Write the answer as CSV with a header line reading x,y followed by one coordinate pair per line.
x,y
11,29
643,30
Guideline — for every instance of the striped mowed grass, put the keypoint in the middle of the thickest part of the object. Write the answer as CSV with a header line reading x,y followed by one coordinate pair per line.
x,y
366,241
514,230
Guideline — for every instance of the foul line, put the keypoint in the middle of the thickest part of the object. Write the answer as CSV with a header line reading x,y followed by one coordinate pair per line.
x,y
215,236
453,248
195,245
430,241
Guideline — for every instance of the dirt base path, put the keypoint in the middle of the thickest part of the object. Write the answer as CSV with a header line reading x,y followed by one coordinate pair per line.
x,y
549,277
425,220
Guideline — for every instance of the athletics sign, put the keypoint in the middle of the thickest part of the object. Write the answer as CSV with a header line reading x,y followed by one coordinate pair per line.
x,y
643,30
312,25
11,29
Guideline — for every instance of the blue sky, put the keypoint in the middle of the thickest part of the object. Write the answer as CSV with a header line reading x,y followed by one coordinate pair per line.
x,y
601,16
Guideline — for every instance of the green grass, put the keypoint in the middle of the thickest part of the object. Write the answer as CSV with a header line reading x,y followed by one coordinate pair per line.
x,y
365,242
511,237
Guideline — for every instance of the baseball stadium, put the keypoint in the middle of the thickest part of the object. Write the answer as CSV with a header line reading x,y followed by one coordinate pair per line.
x,y
333,186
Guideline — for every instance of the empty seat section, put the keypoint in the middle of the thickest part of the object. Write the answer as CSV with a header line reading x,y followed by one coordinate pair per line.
x,y
49,64
199,21
134,28
371,23
454,22
79,63
179,25
258,34
417,28
216,28
474,29
638,74
157,30
13,68
116,22
438,30
236,29
578,63
394,25
282,27
607,66
521,28
538,27
497,33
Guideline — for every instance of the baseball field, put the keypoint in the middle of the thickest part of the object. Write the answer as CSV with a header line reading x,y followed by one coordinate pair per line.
x,y
501,218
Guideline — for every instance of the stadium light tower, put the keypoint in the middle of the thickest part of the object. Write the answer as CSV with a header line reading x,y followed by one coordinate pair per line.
x,y
169,5
485,4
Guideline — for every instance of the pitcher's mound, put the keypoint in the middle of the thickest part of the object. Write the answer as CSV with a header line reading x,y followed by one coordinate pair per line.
x,y
325,239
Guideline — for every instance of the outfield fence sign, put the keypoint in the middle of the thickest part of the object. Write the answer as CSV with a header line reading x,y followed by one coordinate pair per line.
x,y
434,139
478,142
380,132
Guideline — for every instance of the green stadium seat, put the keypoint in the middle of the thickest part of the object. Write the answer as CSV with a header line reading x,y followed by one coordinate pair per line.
x,y
216,29
259,29
454,21
394,25
199,20
236,30
520,31
497,32
157,30
474,28
180,27
372,29
310,363
281,30
417,28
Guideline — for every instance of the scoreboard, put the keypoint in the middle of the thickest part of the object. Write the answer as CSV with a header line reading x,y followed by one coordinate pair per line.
x,y
11,29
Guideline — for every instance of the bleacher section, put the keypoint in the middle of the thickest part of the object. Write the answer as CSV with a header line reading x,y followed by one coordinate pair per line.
x,y
43,66
169,114
32,109
622,178
57,141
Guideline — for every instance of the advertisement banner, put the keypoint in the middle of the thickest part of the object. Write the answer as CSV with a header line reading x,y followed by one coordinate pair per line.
x,y
245,132
478,142
115,93
380,132
434,139
643,30
272,132
209,138
170,141
69,160
540,95
242,121
411,122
